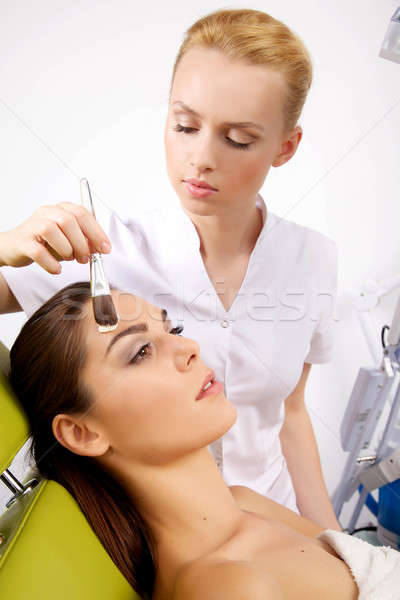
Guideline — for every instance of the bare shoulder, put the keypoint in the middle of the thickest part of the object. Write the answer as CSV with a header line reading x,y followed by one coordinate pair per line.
x,y
251,501
236,580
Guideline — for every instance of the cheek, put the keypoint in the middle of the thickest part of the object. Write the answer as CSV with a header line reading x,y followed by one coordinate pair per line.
x,y
132,421
144,422
172,144
172,157
117,401
252,171
157,424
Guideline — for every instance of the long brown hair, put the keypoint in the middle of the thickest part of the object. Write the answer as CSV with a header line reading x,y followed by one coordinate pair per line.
x,y
46,360
257,38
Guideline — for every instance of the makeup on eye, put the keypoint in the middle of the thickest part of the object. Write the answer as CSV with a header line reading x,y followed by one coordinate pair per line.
x,y
184,109
147,348
241,145
227,126
141,351
137,328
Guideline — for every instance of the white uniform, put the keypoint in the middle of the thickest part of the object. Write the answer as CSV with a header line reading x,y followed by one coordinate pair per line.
x,y
281,318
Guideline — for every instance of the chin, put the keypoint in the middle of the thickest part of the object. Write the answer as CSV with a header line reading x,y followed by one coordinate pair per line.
x,y
222,421
234,413
228,419
197,206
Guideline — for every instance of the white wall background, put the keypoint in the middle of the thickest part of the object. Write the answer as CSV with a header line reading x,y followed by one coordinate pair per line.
x,y
83,92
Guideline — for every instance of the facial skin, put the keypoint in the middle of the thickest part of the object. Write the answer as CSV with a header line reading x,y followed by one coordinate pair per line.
x,y
147,429
146,411
222,90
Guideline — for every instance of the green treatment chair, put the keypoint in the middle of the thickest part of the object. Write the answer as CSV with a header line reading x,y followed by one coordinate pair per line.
x,y
47,548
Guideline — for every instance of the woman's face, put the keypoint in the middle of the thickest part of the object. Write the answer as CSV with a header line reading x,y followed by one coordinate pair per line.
x,y
144,380
222,92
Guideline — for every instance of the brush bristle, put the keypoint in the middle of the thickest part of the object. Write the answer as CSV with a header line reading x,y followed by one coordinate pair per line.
x,y
105,314
107,328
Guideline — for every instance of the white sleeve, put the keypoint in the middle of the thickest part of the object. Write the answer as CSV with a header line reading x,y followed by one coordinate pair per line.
x,y
32,285
323,337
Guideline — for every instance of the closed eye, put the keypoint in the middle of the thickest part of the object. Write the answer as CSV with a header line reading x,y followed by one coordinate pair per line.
x,y
240,146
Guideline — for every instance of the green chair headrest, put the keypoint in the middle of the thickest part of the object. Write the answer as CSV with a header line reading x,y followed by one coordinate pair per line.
x,y
47,547
4,359
50,551
14,429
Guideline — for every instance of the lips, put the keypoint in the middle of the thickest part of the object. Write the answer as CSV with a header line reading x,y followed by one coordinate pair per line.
x,y
199,183
209,377
214,388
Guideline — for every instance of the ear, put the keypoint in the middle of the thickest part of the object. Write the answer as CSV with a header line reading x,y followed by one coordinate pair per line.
x,y
79,435
288,147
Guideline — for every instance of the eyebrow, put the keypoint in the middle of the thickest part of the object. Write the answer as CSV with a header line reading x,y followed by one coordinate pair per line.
x,y
240,124
138,328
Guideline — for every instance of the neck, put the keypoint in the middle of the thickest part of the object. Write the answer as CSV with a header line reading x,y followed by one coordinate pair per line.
x,y
228,233
186,504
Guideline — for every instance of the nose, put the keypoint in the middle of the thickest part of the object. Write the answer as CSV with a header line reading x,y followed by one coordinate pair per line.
x,y
186,352
203,156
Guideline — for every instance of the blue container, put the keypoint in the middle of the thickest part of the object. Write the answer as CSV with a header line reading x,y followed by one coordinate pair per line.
x,y
387,511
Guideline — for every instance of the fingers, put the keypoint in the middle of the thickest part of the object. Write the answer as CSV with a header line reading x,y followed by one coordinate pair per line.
x,y
42,256
55,241
71,231
89,226
54,233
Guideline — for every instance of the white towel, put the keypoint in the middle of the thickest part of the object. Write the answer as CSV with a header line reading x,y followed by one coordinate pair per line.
x,y
376,569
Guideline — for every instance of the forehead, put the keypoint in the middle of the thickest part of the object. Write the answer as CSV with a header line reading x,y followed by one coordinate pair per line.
x,y
228,90
131,309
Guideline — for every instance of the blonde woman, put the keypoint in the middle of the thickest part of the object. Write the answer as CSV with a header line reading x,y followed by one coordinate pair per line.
x,y
244,283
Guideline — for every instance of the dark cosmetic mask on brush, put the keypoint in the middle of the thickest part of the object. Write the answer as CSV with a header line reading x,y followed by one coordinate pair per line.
x,y
105,314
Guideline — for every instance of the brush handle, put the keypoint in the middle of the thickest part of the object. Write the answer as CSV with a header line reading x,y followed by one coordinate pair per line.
x,y
98,282
86,196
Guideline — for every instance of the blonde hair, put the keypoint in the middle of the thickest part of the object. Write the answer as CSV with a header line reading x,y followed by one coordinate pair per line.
x,y
258,39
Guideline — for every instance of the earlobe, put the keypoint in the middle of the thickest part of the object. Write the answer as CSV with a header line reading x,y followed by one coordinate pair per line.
x,y
73,433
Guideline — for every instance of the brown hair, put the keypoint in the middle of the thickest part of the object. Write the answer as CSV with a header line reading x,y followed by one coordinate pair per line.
x,y
257,38
46,360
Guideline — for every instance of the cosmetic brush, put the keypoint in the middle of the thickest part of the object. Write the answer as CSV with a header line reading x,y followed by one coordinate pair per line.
x,y
105,314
